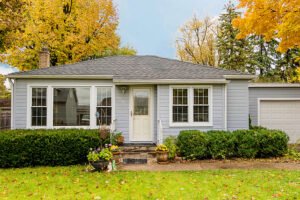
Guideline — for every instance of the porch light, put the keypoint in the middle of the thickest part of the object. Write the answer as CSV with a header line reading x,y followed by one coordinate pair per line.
x,y
123,89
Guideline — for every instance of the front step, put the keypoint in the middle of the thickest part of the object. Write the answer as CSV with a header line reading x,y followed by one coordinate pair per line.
x,y
137,154
138,148
134,161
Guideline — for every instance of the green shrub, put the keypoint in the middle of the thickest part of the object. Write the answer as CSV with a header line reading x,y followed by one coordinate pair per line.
x,y
258,128
293,154
221,144
192,144
22,148
246,143
170,142
257,142
272,143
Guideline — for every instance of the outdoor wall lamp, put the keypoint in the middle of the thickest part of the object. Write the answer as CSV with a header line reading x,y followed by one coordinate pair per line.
x,y
123,89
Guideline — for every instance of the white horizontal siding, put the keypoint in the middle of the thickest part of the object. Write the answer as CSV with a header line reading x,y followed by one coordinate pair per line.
x,y
218,111
237,105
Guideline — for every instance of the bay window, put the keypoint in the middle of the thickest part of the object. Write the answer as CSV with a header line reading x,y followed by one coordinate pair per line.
x,y
190,106
71,106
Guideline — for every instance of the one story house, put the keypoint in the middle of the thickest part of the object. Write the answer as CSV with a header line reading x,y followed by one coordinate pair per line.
x,y
147,98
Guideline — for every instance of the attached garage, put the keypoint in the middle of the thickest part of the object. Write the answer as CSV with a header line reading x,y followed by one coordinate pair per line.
x,y
276,106
282,114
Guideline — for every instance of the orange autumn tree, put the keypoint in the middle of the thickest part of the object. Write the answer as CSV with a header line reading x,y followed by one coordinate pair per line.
x,y
73,30
273,19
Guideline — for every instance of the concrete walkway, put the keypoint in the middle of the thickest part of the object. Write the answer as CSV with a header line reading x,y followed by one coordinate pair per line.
x,y
215,164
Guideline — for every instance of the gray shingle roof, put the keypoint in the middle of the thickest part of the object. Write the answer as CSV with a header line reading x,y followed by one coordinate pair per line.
x,y
136,67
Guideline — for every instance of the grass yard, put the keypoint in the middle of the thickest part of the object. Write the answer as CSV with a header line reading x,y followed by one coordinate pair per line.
x,y
73,183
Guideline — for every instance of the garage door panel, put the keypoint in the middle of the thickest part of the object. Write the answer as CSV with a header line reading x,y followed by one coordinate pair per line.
x,y
283,115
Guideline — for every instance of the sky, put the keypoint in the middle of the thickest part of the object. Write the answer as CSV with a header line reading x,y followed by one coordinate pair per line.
x,y
151,26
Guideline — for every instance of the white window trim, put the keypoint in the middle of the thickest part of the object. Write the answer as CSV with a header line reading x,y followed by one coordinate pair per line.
x,y
191,106
50,89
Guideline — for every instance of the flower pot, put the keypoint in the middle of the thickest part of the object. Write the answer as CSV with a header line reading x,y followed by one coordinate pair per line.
x,y
100,165
162,157
117,157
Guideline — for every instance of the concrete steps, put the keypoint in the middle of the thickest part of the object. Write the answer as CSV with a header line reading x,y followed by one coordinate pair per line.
x,y
137,154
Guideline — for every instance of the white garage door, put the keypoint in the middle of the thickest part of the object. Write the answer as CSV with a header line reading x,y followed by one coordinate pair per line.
x,y
283,115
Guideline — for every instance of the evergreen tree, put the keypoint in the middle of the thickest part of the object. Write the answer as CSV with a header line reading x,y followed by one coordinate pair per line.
x,y
271,65
233,53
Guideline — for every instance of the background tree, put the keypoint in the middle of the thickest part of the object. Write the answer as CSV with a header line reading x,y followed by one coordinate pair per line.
x,y
233,53
271,19
4,93
197,42
272,65
73,30
254,53
11,20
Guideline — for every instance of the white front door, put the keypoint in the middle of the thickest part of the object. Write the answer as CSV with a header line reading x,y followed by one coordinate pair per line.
x,y
141,114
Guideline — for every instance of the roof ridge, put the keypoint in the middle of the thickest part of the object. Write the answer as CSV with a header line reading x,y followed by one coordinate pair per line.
x,y
206,66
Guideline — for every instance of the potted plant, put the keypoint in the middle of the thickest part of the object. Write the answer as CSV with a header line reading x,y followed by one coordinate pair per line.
x,y
100,159
161,153
119,138
116,153
114,149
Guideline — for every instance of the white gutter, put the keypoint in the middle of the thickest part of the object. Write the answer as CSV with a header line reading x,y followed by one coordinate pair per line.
x,y
246,77
60,76
274,85
168,81
11,85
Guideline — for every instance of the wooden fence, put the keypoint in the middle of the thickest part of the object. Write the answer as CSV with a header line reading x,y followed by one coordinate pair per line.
x,y
5,114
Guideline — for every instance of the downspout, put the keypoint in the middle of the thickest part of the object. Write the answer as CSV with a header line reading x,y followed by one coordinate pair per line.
x,y
225,109
11,85
159,123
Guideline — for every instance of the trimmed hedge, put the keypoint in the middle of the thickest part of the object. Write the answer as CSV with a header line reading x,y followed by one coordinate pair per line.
x,y
259,143
22,148
221,144
192,144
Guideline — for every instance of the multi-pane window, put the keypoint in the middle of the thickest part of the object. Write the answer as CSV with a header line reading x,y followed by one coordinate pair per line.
x,y
71,106
180,105
104,108
39,107
201,106
190,105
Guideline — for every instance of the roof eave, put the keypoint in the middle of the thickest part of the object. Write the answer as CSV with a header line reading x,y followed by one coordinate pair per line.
x,y
16,76
240,77
169,81
274,85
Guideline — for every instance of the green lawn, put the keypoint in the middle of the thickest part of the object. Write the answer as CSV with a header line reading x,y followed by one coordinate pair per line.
x,y
73,183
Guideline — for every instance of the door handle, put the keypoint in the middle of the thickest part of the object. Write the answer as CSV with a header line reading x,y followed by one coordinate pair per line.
x,y
131,113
